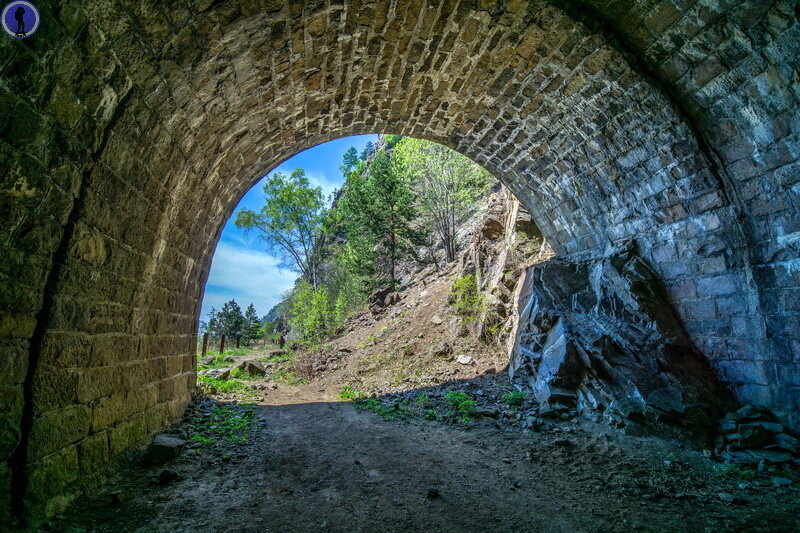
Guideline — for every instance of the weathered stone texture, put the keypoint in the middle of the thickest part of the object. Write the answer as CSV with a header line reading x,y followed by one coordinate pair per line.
x,y
127,141
600,336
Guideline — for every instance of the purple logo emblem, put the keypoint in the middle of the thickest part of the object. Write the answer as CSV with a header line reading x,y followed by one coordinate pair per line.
x,y
20,19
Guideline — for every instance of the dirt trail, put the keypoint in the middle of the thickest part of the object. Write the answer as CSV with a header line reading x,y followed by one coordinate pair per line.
x,y
313,464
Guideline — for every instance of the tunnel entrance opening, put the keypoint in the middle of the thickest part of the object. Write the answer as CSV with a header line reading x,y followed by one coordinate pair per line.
x,y
411,228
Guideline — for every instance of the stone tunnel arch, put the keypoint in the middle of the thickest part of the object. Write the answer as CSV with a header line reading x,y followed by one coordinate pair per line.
x,y
672,124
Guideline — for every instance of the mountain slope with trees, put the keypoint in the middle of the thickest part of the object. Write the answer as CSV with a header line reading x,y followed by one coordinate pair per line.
x,y
400,209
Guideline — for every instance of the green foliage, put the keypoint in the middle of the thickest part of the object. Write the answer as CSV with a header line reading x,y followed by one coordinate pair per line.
x,y
446,185
228,423
376,214
317,313
290,221
392,140
514,398
387,412
348,393
251,330
219,386
424,401
238,373
462,407
229,321
368,149
466,299
733,471
350,161
266,329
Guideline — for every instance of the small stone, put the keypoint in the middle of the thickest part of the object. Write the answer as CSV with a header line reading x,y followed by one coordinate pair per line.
x,y
781,481
229,359
769,456
488,412
729,498
464,360
787,442
207,360
164,448
442,349
748,412
436,320
167,476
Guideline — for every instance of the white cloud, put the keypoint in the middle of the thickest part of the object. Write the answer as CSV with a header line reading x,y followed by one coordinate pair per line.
x,y
245,275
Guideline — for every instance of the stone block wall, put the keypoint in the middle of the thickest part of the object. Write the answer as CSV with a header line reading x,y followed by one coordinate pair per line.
x,y
131,130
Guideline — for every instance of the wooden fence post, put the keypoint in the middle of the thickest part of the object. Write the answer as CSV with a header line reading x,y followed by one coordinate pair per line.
x,y
205,344
222,344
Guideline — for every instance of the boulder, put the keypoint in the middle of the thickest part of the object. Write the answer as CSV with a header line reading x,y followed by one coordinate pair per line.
x,y
251,367
164,448
603,332
787,442
217,373
752,436
391,299
748,413
207,360
377,300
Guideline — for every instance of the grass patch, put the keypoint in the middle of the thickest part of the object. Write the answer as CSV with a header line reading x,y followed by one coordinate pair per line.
x,y
398,411
733,471
348,393
216,386
225,423
513,398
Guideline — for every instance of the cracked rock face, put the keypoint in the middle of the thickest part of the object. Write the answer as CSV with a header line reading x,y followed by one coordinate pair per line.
x,y
601,336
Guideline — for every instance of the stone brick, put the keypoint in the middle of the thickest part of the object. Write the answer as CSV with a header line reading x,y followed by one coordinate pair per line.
x,y
718,285
47,481
94,453
58,429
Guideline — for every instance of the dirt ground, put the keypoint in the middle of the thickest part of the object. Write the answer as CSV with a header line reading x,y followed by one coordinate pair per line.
x,y
313,463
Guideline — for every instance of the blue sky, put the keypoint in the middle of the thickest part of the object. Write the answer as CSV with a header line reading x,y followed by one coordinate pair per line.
x,y
241,269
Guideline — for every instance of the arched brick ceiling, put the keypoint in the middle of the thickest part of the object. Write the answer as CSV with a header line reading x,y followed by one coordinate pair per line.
x,y
132,129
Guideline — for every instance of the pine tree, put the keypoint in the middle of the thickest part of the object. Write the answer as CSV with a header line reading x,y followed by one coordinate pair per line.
x,y
377,210
230,320
251,325
350,161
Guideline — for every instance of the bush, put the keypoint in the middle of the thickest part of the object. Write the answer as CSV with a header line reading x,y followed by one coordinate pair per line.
x,y
348,393
514,398
466,299
463,407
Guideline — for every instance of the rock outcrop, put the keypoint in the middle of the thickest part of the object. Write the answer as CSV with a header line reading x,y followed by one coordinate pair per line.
x,y
601,336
